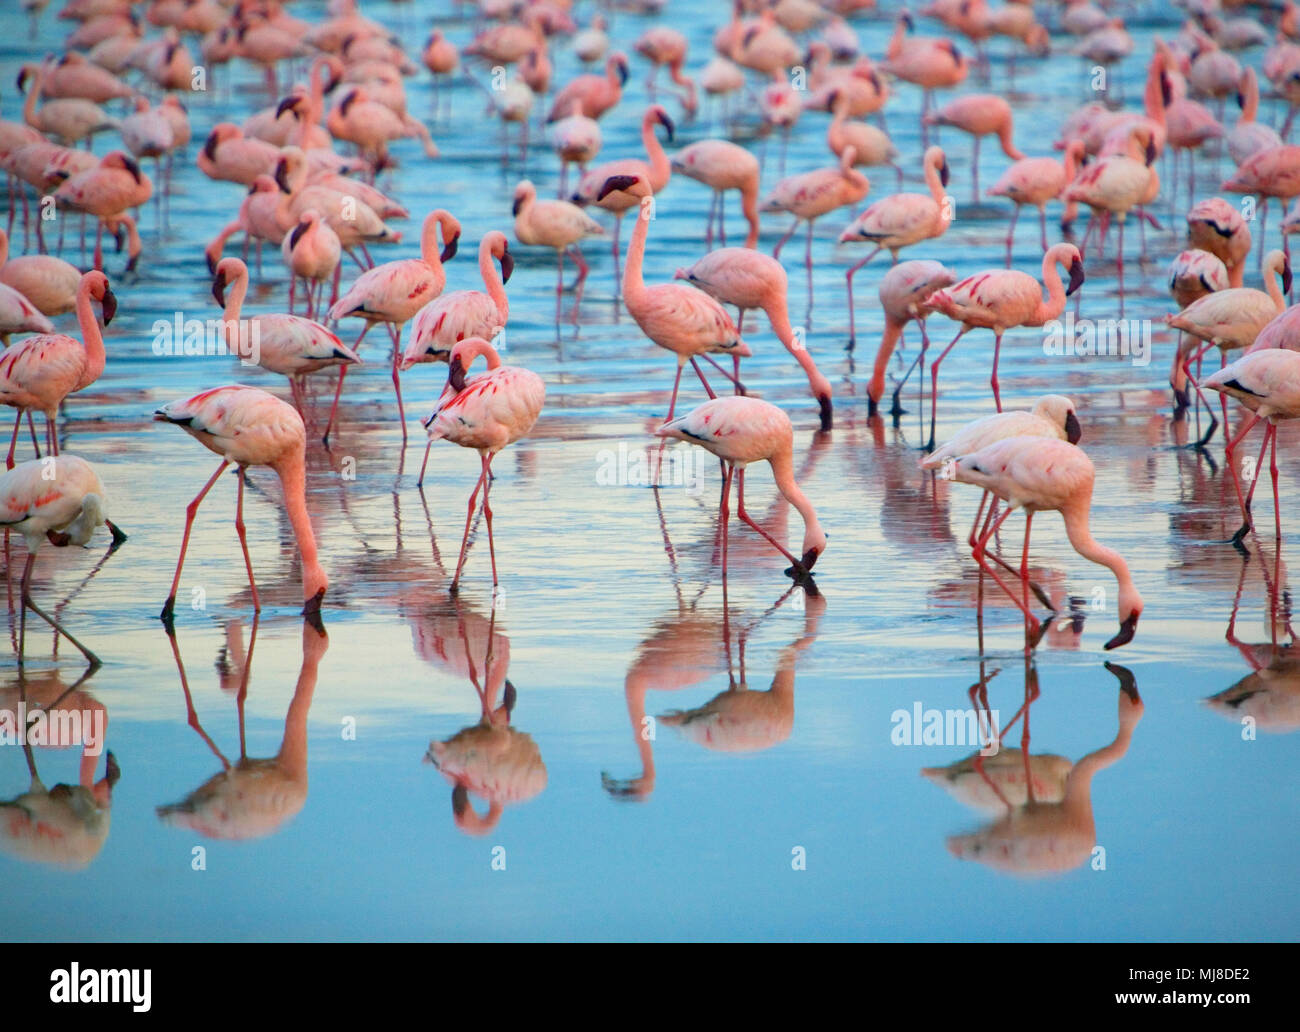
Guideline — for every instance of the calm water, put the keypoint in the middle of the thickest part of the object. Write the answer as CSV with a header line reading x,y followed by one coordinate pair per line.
x,y
781,812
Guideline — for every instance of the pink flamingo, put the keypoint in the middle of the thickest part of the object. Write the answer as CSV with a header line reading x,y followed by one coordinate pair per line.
x,y
289,345
980,114
462,314
485,412
596,93
740,431
929,63
750,279
904,291
1000,299
1269,173
558,225
20,315
722,165
809,195
264,216
666,47
39,372
250,427
1216,226
106,192
63,502
1040,474
656,172
393,292
1268,383
1193,275
680,319
577,140
1036,181
228,154
372,126
1248,137
900,220
311,252
872,147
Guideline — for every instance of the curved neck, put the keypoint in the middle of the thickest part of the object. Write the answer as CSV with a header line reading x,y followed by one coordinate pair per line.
x,y
783,473
292,472
1078,784
888,341
1055,303
92,338
496,290
933,181
474,347
660,167
1273,284
235,299
33,98
1250,96
1071,161
429,249
633,283
749,207
778,314
293,746
1082,541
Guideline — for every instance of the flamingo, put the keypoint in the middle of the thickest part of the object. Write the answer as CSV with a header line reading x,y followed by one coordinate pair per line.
x,y
904,291
39,372
1192,275
740,430
106,191
393,292
250,427
929,63
1000,299
680,319
454,317
372,126
980,114
1036,181
559,225
311,252
62,500
809,195
485,412
596,93
289,345
722,165
750,279
227,154
1248,137
577,140
871,146
1274,172
1268,383
900,220
666,47
70,119
1216,226
19,315
656,172
264,216
1040,474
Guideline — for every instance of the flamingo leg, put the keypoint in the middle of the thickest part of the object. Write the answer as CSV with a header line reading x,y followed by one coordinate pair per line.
x,y
396,333
677,382
776,253
13,441
740,511
334,409
997,349
30,603
700,373
980,552
934,384
243,539
464,541
724,515
191,510
1236,481
487,515
849,280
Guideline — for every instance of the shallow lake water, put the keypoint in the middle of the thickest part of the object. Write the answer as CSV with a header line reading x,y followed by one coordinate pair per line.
x,y
770,796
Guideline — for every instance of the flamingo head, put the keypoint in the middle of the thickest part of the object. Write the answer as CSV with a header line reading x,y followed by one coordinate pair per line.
x,y
290,103
1076,275
1128,623
524,192
634,185
661,116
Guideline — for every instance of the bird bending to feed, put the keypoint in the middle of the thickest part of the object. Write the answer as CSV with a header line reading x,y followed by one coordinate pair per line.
x,y
485,412
63,503
740,430
903,291
750,279
1268,383
1039,474
249,427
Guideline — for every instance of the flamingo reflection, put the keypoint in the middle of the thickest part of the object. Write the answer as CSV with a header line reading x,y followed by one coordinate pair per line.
x,y
490,759
252,797
683,650
1044,822
65,825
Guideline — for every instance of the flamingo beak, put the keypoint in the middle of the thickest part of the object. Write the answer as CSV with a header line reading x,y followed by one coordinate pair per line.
x,y
1126,631
1127,682
1151,152
1076,277
288,104
824,403
667,123
514,208
133,168
282,176
311,611
449,251
622,73
507,266
615,183
459,800
210,146
944,173
21,81
109,305
456,374
219,288
1073,431
1286,277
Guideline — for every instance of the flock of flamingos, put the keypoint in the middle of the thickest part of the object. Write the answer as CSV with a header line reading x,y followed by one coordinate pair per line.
x,y
315,162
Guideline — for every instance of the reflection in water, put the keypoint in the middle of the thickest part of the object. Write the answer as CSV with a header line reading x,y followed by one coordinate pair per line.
x,y
1270,694
67,825
252,797
687,647
1046,824
490,759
